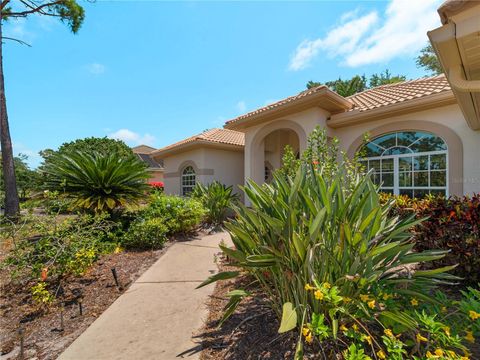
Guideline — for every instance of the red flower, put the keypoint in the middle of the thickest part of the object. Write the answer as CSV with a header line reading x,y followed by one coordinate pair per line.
x,y
156,184
44,274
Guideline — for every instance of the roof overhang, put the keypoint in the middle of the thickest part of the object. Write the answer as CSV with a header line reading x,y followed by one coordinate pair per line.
x,y
193,145
355,117
457,45
323,98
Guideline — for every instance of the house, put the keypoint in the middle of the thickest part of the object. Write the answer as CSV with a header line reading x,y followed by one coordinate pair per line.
x,y
424,134
154,167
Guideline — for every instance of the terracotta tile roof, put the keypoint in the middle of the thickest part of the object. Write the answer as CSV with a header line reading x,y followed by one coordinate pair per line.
x,y
220,136
279,103
395,93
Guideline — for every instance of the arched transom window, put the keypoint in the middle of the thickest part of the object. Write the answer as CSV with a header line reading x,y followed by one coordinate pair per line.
x,y
188,180
412,163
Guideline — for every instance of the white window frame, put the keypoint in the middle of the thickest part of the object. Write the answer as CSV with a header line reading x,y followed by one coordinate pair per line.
x,y
396,188
188,180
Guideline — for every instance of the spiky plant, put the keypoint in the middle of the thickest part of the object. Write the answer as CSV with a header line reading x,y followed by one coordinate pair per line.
x,y
97,182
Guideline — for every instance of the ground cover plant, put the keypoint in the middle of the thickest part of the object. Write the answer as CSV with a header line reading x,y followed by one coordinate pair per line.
x,y
340,270
217,199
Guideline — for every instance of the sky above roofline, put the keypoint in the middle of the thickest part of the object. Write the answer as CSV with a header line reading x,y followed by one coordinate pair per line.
x,y
156,72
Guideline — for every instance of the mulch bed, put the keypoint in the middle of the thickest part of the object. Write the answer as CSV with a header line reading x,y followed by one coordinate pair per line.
x,y
96,290
250,333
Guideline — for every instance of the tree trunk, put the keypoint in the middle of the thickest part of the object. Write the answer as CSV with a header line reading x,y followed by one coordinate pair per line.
x,y
12,207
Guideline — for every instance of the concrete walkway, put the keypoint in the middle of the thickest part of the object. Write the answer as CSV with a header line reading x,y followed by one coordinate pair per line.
x,y
156,316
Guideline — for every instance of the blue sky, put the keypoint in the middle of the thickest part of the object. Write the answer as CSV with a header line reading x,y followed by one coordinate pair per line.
x,y
156,72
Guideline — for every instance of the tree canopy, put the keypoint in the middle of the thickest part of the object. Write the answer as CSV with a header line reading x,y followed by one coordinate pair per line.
x,y
428,60
359,83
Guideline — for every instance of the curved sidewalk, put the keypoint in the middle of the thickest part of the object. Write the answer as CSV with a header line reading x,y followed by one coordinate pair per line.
x,y
156,316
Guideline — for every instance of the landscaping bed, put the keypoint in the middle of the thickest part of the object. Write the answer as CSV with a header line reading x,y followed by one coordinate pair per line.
x,y
96,289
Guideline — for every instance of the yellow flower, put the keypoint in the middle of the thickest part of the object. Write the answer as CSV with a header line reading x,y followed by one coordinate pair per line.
x,y
464,358
118,249
355,327
470,337
430,355
327,285
364,298
318,295
387,296
439,352
309,338
368,339
473,315
343,327
371,304
444,309
421,338
347,300
305,331
414,302
447,330
389,333
381,355
309,287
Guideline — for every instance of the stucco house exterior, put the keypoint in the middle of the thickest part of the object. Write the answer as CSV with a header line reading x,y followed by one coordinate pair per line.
x,y
424,134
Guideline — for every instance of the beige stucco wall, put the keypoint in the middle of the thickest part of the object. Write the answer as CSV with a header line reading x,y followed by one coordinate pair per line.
x,y
435,120
155,175
225,166
302,123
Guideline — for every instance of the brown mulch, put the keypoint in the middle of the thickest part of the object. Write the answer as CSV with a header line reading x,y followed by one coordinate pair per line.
x,y
250,333
96,291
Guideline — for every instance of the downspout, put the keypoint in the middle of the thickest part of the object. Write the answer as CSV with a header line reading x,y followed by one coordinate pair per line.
x,y
458,81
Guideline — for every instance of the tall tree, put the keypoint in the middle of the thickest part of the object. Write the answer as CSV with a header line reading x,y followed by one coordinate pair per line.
x,y
68,11
429,60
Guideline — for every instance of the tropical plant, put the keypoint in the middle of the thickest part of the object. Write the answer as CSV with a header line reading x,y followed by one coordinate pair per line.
x,y
97,182
145,234
326,252
217,199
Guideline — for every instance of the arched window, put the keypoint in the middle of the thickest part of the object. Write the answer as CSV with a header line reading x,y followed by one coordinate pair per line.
x,y
188,180
412,163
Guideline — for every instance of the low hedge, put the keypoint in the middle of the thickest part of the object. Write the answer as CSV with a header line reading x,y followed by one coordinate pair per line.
x,y
452,224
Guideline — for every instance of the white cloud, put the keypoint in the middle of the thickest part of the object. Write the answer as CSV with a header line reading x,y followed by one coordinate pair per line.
x,y
96,68
132,138
372,39
241,106
34,158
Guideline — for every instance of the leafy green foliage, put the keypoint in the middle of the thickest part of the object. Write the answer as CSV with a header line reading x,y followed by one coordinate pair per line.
x,y
97,182
359,83
217,199
146,234
429,60
26,178
323,241
180,215
68,11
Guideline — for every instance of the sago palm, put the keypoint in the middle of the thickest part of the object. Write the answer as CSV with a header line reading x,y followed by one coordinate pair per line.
x,y
97,182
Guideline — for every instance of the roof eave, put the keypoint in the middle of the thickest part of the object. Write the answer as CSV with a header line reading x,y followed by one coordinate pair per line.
x,y
192,145
332,102
355,117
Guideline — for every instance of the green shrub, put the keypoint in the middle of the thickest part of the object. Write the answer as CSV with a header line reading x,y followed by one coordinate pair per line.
x,y
146,234
97,182
217,199
53,248
333,262
452,224
180,215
